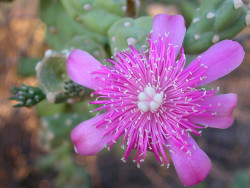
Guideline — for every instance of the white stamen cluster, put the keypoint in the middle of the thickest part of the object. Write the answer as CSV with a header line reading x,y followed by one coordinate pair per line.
x,y
149,100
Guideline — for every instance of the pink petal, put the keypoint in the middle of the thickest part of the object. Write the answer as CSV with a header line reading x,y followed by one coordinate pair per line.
x,y
172,25
80,64
224,106
89,140
221,59
193,168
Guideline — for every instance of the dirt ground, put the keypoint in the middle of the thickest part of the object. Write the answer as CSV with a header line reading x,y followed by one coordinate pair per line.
x,y
21,35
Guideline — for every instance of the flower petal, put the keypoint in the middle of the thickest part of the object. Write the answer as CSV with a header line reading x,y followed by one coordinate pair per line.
x,y
221,59
80,64
223,109
174,26
193,168
89,140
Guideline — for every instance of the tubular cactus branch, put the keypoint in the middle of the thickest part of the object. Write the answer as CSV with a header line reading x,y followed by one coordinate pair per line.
x,y
215,20
53,78
27,96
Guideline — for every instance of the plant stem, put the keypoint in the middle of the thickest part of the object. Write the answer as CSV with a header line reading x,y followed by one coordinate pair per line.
x,y
130,11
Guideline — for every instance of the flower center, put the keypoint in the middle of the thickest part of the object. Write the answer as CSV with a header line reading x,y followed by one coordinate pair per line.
x,y
149,100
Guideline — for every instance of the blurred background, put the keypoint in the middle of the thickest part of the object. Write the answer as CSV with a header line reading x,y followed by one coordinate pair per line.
x,y
27,162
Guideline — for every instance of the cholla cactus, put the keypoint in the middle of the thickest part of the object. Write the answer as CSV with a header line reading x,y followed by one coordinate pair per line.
x,y
27,95
215,20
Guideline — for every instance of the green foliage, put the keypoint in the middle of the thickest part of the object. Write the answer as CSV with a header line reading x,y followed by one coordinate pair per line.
x,y
26,66
54,136
95,15
72,89
45,108
85,43
215,20
241,180
188,8
56,128
27,96
51,73
46,162
61,29
54,80
69,174
129,31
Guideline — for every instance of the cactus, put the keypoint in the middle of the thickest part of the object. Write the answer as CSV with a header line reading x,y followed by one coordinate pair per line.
x,y
65,179
60,27
72,89
53,78
69,174
95,15
46,162
27,95
117,7
56,129
98,21
54,83
187,9
45,108
215,20
51,73
76,8
87,44
129,31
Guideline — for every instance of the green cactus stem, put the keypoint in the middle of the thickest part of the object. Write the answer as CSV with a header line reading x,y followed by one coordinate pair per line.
x,y
27,96
54,80
56,128
60,27
187,9
51,73
98,21
214,21
95,15
48,161
61,161
84,42
81,7
72,89
45,108
128,31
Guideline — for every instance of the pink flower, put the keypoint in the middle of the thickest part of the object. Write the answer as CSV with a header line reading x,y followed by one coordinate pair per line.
x,y
151,100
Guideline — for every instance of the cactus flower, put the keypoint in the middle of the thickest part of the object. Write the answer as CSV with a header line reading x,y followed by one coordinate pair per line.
x,y
153,102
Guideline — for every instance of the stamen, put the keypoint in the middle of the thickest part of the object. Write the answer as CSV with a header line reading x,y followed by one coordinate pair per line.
x,y
149,99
